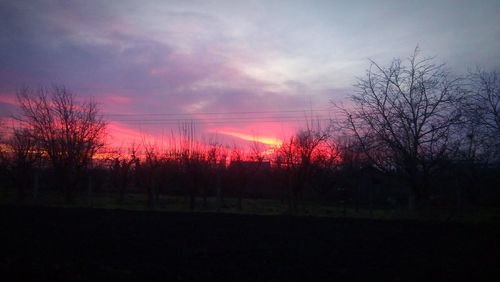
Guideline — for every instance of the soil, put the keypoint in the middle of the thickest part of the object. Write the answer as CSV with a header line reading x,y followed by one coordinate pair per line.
x,y
77,244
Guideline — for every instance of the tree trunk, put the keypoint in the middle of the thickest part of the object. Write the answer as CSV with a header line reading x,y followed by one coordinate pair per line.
x,y
121,196
219,196
68,190
412,200
35,185
290,193
240,200
356,197
21,184
149,196
205,204
192,202
156,189
89,190
370,196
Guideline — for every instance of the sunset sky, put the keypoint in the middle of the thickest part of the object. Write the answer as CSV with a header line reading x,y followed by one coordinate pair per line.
x,y
241,70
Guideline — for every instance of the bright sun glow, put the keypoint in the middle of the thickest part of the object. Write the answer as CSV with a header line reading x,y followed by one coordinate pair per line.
x,y
264,140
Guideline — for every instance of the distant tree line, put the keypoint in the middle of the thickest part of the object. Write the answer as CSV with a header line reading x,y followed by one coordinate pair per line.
x,y
412,135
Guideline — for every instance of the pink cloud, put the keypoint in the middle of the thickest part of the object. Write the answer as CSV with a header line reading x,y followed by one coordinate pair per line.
x,y
116,100
120,136
128,73
9,99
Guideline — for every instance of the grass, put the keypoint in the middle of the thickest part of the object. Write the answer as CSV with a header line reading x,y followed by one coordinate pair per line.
x,y
256,206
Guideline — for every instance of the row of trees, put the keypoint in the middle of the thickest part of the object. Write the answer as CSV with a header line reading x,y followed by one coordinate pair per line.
x,y
57,136
412,126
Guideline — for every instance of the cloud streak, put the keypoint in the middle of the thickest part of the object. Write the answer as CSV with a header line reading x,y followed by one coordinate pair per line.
x,y
195,57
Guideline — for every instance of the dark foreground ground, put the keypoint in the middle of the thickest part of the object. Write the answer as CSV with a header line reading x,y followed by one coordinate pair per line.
x,y
76,244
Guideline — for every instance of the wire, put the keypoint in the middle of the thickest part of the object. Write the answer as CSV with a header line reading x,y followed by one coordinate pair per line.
x,y
229,122
225,118
216,118
219,113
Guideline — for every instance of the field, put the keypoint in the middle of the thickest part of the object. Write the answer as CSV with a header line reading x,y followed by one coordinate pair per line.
x,y
82,244
256,206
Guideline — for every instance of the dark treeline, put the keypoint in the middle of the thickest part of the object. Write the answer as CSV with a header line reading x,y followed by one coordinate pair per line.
x,y
413,135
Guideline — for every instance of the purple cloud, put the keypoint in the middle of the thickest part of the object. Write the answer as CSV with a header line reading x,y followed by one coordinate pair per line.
x,y
184,59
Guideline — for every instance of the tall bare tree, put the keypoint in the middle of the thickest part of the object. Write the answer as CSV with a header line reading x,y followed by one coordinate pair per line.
x,y
67,130
483,115
404,116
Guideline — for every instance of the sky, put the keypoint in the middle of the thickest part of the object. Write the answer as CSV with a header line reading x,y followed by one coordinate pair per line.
x,y
238,70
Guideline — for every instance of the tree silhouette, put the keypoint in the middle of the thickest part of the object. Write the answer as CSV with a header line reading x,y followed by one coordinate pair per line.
x,y
483,114
67,131
298,157
404,116
24,158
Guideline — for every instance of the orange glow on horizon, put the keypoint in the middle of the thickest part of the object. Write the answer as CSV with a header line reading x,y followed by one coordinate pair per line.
x,y
264,140
121,137
124,137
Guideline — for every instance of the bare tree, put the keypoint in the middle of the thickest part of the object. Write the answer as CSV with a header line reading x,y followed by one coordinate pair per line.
x,y
4,160
191,160
325,163
216,163
121,169
150,168
483,115
24,157
404,117
239,174
68,131
298,156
